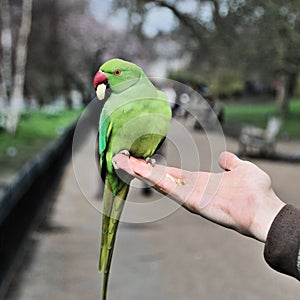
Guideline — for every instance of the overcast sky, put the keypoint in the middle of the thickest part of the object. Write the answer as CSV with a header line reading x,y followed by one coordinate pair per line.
x,y
158,19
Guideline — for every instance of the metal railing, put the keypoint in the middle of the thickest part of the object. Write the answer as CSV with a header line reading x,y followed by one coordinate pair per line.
x,y
24,201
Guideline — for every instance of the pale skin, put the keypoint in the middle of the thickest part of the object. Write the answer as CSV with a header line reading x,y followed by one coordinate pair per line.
x,y
240,198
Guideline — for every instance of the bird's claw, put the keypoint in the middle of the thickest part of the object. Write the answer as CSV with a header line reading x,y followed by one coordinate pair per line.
x,y
125,152
151,161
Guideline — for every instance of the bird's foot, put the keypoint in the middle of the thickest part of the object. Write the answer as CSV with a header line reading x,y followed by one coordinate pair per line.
x,y
151,161
125,152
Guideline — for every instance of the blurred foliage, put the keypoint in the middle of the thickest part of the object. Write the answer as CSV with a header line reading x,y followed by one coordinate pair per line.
x,y
258,115
62,52
188,78
36,130
221,43
217,43
297,89
66,47
226,82
258,39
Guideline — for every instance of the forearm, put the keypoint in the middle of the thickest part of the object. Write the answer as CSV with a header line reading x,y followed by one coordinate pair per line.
x,y
283,242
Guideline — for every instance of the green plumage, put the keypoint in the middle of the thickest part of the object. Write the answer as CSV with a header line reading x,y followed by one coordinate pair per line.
x,y
136,118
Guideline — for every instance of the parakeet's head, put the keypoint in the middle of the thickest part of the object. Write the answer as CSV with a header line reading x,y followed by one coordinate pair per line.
x,y
118,74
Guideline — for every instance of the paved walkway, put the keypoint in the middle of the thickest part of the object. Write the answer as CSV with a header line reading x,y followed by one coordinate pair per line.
x,y
180,256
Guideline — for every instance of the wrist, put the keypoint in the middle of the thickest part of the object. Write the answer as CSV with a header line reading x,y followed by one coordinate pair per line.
x,y
266,213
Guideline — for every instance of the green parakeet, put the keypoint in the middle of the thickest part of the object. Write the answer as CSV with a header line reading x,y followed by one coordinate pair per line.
x,y
135,118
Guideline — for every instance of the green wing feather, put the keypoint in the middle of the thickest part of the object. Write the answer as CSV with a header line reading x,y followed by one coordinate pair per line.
x,y
105,129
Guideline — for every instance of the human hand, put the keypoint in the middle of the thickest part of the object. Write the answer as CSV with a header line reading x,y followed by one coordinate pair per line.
x,y
241,198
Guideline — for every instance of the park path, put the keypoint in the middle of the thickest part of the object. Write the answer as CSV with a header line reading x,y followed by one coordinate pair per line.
x,y
180,256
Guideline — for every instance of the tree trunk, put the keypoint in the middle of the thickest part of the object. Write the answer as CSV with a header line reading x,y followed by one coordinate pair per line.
x,y
3,92
6,45
16,98
285,93
5,65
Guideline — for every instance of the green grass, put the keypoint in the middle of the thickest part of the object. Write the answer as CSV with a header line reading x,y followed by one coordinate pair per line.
x,y
35,131
258,114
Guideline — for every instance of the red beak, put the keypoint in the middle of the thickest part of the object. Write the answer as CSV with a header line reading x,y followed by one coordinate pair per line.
x,y
99,78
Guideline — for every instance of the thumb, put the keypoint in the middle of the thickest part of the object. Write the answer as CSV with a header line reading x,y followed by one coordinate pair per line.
x,y
228,161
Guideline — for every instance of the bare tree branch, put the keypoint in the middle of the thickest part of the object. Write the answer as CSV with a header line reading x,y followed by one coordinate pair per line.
x,y
195,27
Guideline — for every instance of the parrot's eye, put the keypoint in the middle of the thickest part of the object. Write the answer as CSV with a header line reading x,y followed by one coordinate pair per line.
x,y
117,72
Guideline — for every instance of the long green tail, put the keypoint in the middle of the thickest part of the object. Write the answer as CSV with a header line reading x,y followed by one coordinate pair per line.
x,y
112,210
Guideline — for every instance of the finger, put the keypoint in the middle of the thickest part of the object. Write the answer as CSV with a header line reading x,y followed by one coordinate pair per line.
x,y
170,181
140,168
131,165
229,161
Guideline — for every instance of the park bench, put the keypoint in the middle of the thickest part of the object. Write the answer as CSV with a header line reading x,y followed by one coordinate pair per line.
x,y
254,139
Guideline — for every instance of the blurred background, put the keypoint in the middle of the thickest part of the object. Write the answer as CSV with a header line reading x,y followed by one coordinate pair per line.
x,y
238,65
